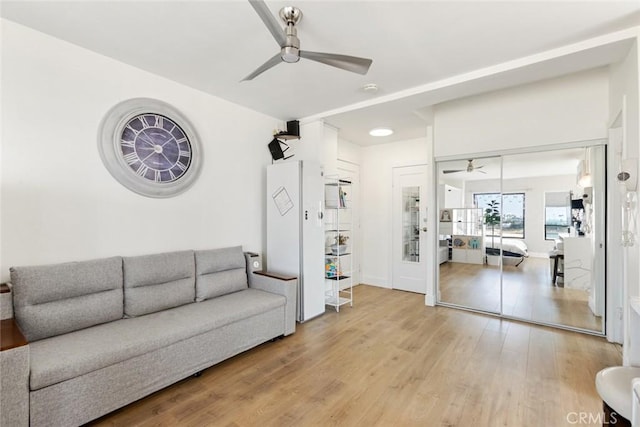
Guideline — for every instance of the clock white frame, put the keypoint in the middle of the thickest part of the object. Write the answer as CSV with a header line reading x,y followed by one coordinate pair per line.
x,y
110,132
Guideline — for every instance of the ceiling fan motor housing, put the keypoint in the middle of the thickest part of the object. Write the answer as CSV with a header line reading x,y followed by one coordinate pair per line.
x,y
291,51
290,54
290,15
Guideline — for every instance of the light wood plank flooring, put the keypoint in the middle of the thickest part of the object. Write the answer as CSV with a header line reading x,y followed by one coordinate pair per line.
x,y
391,361
528,293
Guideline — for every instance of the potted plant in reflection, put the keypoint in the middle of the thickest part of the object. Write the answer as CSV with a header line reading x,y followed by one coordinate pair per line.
x,y
340,246
491,219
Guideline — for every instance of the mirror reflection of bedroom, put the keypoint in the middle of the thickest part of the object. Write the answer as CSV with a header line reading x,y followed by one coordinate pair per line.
x,y
522,236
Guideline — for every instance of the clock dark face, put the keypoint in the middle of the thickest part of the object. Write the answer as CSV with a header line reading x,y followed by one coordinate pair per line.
x,y
150,147
155,148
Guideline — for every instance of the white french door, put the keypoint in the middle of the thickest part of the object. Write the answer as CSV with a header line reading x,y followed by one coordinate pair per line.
x,y
409,272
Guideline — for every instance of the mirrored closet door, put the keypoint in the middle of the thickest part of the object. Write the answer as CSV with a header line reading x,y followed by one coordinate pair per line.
x,y
536,222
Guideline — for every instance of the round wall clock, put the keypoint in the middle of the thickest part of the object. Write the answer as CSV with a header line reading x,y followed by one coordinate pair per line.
x,y
149,147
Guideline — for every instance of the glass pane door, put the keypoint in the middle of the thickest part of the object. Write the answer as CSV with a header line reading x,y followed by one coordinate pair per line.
x,y
409,228
411,224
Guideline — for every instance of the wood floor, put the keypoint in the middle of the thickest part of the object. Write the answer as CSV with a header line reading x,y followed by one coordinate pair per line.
x,y
391,361
528,293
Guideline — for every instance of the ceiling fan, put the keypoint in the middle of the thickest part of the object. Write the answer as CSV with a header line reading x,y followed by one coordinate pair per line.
x,y
290,44
470,168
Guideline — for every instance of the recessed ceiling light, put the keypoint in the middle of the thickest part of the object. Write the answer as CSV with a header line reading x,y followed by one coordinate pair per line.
x,y
370,88
381,132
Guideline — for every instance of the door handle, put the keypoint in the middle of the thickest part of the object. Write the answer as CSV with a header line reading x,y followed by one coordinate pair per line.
x,y
424,229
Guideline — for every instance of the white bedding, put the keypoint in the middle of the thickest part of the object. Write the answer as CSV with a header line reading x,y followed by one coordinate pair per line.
x,y
517,246
443,254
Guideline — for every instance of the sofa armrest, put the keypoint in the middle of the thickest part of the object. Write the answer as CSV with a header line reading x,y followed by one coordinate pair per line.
x,y
281,285
6,301
10,335
14,375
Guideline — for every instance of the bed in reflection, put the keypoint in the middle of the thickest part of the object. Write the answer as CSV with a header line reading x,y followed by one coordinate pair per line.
x,y
514,251
443,251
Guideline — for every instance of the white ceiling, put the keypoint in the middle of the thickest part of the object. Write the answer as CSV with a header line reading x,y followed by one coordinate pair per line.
x,y
212,45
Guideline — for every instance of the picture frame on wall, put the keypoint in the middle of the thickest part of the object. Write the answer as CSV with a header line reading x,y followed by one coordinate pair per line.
x,y
445,215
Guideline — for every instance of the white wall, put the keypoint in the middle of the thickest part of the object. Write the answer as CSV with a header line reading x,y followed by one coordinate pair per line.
x,y
59,203
349,152
376,184
560,110
533,189
450,196
318,143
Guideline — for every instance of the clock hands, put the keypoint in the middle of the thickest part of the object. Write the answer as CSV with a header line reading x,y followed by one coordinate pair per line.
x,y
157,149
167,159
152,153
163,155
144,138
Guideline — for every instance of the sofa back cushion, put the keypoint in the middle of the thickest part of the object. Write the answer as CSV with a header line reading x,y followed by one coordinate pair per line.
x,y
55,299
220,272
157,282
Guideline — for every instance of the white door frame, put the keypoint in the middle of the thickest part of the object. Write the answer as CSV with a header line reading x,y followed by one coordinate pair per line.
x,y
617,308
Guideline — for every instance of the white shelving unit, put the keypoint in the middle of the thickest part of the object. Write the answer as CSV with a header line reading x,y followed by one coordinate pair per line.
x,y
338,257
465,234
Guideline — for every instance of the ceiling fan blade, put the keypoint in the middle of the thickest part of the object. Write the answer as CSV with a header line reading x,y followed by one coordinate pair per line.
x,y
453,170
270,21
481,171
478,167
272,62
345,62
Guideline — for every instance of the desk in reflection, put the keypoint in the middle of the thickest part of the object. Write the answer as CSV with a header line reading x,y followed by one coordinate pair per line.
x,y
578,258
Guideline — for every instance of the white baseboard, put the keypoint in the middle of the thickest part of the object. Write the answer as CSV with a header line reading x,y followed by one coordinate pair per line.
x,y
380,282
430,300
539,254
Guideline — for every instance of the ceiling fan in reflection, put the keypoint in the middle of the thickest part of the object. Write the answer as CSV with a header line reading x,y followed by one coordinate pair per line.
x,y
470,168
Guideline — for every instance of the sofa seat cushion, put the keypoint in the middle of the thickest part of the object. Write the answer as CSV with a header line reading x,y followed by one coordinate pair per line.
x,y
67,356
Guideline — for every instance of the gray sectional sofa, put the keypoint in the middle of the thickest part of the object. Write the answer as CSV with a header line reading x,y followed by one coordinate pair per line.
x,y
101,334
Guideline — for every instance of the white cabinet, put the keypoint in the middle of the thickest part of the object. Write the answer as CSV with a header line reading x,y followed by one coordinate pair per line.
x,y
295,231
338,258
578,257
